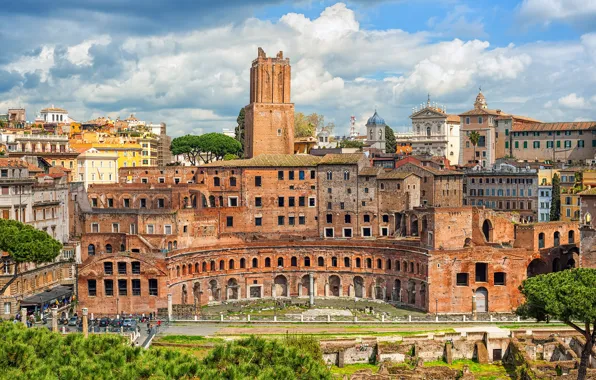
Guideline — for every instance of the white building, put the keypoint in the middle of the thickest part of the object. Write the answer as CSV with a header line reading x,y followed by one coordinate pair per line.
x,y
545,198
97,167
324,139
54,115
434,132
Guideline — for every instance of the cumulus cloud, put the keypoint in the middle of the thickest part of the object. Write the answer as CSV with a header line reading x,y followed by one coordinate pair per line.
x,y
573,101
547,11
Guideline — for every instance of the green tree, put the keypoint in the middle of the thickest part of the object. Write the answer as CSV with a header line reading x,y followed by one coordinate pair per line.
x,y
568,296
351,144
230,156
474,137
188,146
23,243
307,125
555,205
214,146
390,142
239,131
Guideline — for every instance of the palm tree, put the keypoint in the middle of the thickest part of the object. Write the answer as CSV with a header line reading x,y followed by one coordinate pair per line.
x,y
474,137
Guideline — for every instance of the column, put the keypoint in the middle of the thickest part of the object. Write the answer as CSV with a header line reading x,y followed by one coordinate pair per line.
x,y
311,292
85,322
169,306
55,320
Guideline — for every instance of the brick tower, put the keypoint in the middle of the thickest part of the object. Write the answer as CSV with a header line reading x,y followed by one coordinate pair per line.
x,y
269,118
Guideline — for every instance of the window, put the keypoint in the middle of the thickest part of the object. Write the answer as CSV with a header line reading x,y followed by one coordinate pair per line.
x,y
150,229
153,287
281,220
567,143
108,268
136,267
301,201
291,220
291,175
347,218
549,144
229,221
136,287
7,308
232,181
347,262
312,174
122,288
92,288
334,261
302,220
232,201
385,218
95,227
506,144
536,144
481,272
341,205
258,181
499,278
329,175
143,203
110,202
346,175
516,144
216,181
366,231
311,202
121,268
291,202
461,279
108,287
258,221
126,202
525,145
467,120
347,232
580,143
280,201
108,248
280,175
329,232
366,218
258,202
384,231
162,180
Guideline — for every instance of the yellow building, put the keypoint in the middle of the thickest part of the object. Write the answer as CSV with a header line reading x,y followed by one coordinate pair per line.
x,y
571,185
97,167
149,144
126,148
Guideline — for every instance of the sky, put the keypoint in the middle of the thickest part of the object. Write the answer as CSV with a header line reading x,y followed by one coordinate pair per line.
x,y
187,62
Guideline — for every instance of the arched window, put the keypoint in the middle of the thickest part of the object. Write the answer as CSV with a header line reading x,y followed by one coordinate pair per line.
x,y
231,264
428,131
169,246
334,261
189,268
91,250
397,266
216,181
411,267
307,261
571,236
321,261
243,263
175,244
212,264
196,267
108,248
369,263
178,271
388,265
358,262
379,264
557,239
280,261
122,248
267,262
294,261
204,267
405,266
222,265
184,270
347,262
418,268
255,262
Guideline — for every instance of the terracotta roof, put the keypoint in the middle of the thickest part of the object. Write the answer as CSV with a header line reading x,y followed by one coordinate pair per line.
x,y
394,174
518,117
341,159
563,126
591,191
34,169
453,119
12,163
269,160
369,171
481,111
434,171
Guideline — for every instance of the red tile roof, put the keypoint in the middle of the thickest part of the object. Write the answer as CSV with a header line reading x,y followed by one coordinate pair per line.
x,y
563,126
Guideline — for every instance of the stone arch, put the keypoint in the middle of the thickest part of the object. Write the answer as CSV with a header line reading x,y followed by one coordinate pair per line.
x,y
267,262
233,289
212,266
321,261
196,293
213,290
358,287
255,262
397,290
189,271
379,289
196,267
334,286
242,263
231,264
204,266
307,261
405,266
571,237
304,286
411,292
423,295
294,261
556,265
280,262
334,261
184,294
397,266
487,230
388,264
481,300
379,264
536,267
368,262
347,262
280,286
556,239
222,265
541,240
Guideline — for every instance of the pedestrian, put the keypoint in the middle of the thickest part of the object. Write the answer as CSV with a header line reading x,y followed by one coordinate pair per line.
x,y
148,325
159,323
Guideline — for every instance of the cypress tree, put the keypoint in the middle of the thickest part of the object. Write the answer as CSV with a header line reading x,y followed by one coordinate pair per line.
x,y
555,205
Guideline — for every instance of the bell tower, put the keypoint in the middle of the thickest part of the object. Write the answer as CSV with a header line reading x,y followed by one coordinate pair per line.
x,y
269,118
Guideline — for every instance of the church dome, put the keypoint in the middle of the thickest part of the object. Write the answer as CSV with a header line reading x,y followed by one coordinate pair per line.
x,y
375,120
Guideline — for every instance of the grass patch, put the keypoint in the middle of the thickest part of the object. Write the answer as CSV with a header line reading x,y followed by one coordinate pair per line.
x,y
187,339
486,371
350,369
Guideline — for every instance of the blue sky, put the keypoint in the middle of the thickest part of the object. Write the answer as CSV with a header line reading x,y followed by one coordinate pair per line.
x,y
186,62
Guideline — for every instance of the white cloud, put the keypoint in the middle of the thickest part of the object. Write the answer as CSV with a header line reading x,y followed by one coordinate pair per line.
x,y
547,11
573,101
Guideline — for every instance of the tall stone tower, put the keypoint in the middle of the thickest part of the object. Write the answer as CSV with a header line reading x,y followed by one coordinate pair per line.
x,y
269,118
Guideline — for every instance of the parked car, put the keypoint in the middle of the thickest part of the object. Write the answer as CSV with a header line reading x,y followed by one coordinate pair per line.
x,y
131,323
116,323
73,321
104,322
